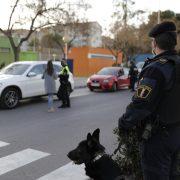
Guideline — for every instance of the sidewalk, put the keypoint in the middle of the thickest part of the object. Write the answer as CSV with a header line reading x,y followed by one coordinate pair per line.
x,y
80,82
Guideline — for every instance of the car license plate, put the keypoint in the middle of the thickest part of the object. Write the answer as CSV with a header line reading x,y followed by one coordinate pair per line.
x,y
95,84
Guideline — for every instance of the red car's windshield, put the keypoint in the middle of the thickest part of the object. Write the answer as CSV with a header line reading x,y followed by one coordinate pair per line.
x,y
108,71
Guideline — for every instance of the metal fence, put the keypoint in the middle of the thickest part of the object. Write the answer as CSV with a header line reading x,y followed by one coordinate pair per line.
x,y
47,53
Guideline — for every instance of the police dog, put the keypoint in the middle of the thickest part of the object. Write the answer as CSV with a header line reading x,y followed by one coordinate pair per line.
x,y
98,165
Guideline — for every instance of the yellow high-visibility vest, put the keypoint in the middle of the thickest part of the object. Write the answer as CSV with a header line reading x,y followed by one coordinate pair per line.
x,y
65,70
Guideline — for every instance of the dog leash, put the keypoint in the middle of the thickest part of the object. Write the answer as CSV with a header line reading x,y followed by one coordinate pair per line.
x,y
116,150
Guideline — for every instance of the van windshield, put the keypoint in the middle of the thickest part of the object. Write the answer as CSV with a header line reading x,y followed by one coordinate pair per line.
x,y
15,69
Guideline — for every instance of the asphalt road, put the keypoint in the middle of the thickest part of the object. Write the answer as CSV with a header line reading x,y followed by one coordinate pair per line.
x,y
34,142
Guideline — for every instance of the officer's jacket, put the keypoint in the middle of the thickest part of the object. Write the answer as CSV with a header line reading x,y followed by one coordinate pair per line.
x,y
65,70
154,93
133,72
64,75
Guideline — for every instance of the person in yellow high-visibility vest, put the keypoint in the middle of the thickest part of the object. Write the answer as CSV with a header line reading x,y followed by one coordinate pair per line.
x,y
65,68
63,90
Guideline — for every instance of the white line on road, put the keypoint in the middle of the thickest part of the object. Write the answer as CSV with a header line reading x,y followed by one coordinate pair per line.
x,y
67,172
2,144
19,159
85,93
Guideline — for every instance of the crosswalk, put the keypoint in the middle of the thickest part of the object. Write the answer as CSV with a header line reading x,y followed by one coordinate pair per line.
x,y
27,156
2,144
67,172
80,92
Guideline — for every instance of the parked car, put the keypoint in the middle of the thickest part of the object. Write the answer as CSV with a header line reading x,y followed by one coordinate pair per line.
x,y
23,79
109,78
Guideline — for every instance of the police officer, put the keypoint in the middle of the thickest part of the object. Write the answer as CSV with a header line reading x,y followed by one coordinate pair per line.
x,y
64,76
156,107
133,72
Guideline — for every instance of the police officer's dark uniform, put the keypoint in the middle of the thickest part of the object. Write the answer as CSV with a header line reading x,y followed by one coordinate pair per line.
x,y
133,73
64,76
156,105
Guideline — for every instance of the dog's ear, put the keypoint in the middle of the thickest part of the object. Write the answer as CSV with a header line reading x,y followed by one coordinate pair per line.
x,y
89,140
95,134
89,137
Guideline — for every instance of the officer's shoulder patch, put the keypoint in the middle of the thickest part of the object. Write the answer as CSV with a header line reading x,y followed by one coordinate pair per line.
x,y
162,61
143,91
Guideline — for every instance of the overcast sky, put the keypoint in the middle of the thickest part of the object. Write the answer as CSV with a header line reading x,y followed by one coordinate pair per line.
x,y
102,10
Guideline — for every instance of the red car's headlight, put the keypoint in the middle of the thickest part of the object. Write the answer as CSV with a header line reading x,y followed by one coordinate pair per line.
x,y
106,80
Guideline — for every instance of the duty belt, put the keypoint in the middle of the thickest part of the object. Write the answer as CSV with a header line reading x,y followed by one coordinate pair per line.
x,y
170,126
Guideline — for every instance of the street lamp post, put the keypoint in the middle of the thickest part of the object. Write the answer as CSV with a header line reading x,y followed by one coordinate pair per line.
x,y
159,17
66,39
159,14
54,57
66,51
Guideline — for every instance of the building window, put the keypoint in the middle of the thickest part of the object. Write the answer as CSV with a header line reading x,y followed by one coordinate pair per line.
x,y
4,50
101,56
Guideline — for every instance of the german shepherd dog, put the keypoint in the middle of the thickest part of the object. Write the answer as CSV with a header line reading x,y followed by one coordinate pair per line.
x,y
98,165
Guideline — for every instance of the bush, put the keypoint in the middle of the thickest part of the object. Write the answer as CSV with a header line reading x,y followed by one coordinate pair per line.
x,y
2,65
128,156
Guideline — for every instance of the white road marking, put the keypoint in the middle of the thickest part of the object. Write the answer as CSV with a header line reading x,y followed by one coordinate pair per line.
x,y
68,172
82,94
19,159
2,144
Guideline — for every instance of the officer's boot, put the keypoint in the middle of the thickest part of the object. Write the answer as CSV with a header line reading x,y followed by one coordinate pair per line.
x,y
68,103
63,104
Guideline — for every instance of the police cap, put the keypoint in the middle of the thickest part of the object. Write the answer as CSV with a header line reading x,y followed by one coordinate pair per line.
x,y
166,26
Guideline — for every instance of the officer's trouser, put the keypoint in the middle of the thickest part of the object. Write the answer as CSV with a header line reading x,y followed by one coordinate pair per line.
x,y
149,175
65,95
132,83
160,156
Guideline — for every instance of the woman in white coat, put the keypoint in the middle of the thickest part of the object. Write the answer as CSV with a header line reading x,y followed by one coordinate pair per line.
x,y
49,77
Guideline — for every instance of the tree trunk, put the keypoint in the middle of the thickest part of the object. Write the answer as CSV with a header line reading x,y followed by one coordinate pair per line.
x,y
15,48
16,51
116,60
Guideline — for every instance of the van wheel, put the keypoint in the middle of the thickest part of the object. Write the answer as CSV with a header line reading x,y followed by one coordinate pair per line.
x,y
10,98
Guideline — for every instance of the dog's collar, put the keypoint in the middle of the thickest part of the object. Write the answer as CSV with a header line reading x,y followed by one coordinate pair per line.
x,y
99,156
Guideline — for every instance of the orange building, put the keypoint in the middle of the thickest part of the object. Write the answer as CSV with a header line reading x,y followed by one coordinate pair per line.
x,y
87,60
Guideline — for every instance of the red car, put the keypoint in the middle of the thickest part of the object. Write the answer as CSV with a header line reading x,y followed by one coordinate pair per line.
x,y
109,78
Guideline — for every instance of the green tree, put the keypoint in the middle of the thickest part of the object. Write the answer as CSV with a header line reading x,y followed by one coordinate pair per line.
x,y
144,41
124,35
35,14
64,33
125,42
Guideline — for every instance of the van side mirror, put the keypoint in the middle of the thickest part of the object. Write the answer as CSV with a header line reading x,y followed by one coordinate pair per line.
x,y
31,74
